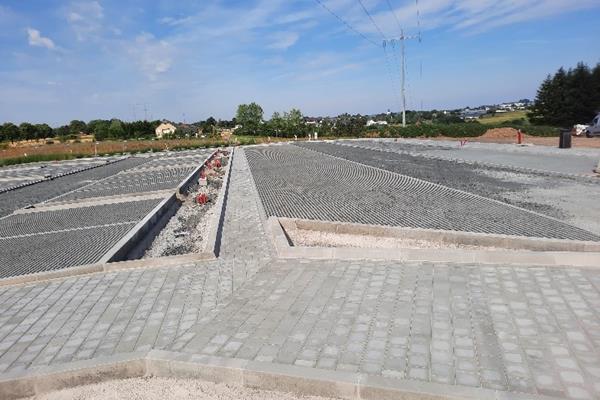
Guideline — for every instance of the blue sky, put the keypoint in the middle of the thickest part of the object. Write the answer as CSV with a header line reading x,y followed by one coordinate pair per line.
x,y
64,60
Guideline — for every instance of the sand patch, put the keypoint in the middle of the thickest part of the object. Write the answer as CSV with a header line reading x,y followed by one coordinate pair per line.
x,y
166,389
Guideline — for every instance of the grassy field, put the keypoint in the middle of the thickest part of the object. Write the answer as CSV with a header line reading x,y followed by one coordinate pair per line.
x,y
503,117
67,151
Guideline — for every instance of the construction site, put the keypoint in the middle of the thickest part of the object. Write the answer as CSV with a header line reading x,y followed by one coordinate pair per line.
x,y
342,269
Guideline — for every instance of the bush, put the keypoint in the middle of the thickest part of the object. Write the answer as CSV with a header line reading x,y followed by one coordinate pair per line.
x,y
538,130
514,122
433,130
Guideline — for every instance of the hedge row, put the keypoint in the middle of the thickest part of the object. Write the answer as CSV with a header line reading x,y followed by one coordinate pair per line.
x,y
458,130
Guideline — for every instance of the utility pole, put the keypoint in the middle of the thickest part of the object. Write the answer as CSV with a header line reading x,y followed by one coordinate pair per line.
x,y
401,39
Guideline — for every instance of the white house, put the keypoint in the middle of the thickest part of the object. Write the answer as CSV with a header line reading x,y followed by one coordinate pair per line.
x,y
371,122
166,128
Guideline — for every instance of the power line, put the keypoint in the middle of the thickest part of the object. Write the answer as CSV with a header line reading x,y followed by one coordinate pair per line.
x,y
394,14
346,23
371,18
418,19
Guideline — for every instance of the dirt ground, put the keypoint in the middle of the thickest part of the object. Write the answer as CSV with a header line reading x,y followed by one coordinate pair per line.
x,y
576,141
166,389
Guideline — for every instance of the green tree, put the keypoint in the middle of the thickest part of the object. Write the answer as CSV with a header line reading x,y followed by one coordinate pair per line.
x,y
277,124
567,97
28,131
44,131
77,127
579,99
62,132
10,132
294,122
99,128
115,130
250,116
595,82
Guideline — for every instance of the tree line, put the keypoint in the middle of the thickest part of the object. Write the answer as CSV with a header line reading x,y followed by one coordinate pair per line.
x,y
251,121
102,130
568,97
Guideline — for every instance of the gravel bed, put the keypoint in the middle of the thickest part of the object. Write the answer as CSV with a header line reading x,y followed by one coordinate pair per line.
x,y
46,190
71,218
166,389
52,251
456,175
296,182
187,230
308,238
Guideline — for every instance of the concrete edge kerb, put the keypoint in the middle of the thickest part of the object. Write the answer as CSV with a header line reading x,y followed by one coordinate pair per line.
x,y
238,372
443,236
212,244
181,187
461,256
140,229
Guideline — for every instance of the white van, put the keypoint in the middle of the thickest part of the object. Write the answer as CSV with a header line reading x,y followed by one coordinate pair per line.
x,y
594,128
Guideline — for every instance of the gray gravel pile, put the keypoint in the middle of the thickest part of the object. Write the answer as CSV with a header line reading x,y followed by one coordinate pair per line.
x,y
299,183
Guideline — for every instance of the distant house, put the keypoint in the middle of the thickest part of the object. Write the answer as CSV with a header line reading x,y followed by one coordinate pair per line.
x,y
371,123
165,128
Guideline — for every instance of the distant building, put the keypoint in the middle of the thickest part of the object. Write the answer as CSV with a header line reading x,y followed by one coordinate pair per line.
x,y
165,128
380,123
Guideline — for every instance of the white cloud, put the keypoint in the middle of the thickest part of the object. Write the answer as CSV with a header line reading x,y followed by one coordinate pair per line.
x,y
471,16
154,57
284,40
171,21
85,18
36,39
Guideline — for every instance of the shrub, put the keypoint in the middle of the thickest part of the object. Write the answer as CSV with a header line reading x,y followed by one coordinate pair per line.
x,y
433,130
539,130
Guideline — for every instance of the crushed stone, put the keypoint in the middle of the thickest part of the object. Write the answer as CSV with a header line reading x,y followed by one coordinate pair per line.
x,y
187,230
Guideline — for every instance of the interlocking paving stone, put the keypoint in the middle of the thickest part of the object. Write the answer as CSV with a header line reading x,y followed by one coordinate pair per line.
x,y
299,183
429,322
521,329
